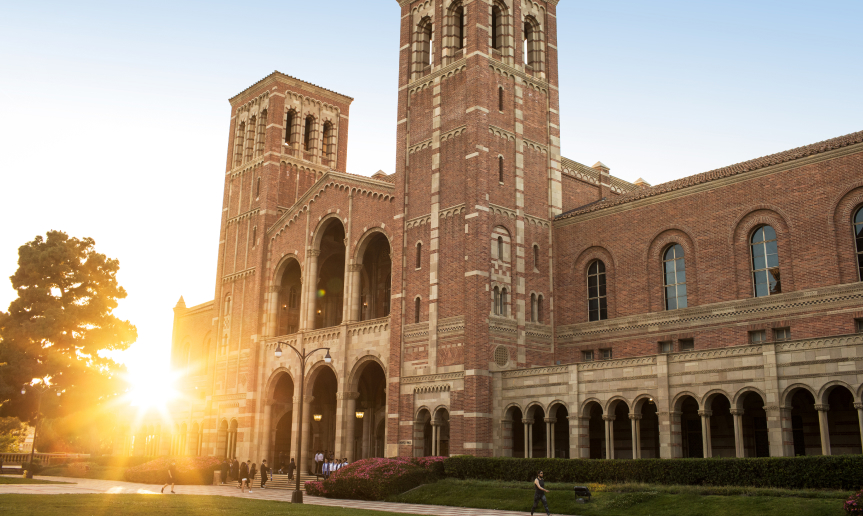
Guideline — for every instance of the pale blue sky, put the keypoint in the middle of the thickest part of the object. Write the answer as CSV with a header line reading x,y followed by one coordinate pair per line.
x,y
115,114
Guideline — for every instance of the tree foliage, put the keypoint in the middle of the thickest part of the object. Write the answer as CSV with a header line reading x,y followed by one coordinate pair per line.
x,y
62,318
12,434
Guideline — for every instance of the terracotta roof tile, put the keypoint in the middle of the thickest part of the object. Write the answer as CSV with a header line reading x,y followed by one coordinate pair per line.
x,y
739,168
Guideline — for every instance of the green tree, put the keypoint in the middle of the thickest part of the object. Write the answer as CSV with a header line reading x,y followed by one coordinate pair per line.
x,y
62,318
12,434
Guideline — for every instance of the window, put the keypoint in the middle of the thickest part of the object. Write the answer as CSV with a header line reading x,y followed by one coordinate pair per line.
x,y
539,317
250,138
757,337
326,147
587,356
419,255
495,27
666,346
307,136
781,334
687,344
258,188
605,354
500,99
254,236
417,310
503,307
262,134
423,47
227,305
535,256
533,308
858,239
675,278
858,325
289,127
458,25
500,169
765,262
496,302
238,146
500,248
597,303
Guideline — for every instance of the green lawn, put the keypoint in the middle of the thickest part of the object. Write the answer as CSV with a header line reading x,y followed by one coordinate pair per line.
x,y
620,500
96,472
22,480
147,505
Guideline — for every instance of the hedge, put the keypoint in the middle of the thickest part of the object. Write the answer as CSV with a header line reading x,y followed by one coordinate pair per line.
x,y
830,472
190,471
376,479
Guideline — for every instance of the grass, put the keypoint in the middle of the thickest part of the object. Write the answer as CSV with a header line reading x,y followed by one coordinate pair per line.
x,y
96,472
22,480
141,505
628,499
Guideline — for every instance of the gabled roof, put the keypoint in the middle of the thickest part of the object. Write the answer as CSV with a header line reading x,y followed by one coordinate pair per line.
x,y
719,173
287,78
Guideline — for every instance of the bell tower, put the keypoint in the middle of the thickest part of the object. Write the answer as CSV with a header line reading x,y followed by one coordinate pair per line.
x,y
478,181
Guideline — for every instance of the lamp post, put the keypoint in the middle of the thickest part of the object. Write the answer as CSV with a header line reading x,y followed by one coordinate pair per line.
x,y
297,495
41,388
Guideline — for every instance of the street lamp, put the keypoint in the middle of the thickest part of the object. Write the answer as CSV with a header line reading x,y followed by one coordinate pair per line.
x,y
41,387
297,495
360,414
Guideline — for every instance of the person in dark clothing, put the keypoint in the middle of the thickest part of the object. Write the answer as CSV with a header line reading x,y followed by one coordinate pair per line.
x,y
291,468
265,472
253,471
539,494
172,475
235,469
225,468
244,476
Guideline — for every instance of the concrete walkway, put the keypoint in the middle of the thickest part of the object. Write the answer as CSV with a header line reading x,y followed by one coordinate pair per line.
x,y
89,486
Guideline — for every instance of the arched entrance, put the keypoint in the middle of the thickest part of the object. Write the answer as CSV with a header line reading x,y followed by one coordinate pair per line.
x,y
804,423
368,431
536,437
322,413
282,410
722,443
595,430
755,437
647,429
330,284
222,440
620,430
423,434
441,430
375,277
842,422
513,433
560,432
692,445
290,289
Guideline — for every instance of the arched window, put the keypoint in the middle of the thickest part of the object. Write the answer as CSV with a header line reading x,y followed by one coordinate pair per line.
x,y
532,48
858,235
417,310
496,21
307,135
535,256
539,316
292,298
500,169
262,134
597,303
500,248
765,262
258,188
250,139
419,255
254,236
533,308
495,307
458,26
503,300
289,126
238,145
674,279
327,146
500,99
423,47
528,35
227,305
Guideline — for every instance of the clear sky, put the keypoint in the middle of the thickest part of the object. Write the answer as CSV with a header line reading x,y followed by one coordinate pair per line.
x,y
114,115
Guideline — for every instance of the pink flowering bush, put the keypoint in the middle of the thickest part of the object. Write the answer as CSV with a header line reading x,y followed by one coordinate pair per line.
x,y
190,471
375,479
854,505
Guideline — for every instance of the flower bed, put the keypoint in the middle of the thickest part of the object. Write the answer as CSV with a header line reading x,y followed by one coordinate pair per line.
x,y
854,505
190,471
375,479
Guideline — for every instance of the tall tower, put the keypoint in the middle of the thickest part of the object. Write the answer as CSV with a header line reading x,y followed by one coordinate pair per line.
x,y
478,181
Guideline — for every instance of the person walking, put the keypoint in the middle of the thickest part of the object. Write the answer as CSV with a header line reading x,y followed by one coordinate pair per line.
x,y
235,469
243,476
265,472
253,471
539,493
291,468
172,476
224,470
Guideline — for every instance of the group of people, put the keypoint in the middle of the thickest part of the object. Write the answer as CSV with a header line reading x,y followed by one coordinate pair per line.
x,y
244,473
326,464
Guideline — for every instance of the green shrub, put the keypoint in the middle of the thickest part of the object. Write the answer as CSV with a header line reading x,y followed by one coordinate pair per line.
x,y
376,479
35,468
831,472
120,462
190,471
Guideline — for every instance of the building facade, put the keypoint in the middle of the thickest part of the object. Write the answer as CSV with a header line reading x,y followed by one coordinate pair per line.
x,y
491,297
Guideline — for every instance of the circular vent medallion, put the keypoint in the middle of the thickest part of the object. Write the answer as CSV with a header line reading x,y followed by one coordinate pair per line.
x,y
501,356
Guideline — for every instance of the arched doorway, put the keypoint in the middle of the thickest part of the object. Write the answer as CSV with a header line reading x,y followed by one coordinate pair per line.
x,y
722,443
595,430
375,277
621,431
804,423
232,439
537,439
330,284
442,429
372,402
322,413
692,445
423,434
842,422
647,431
560,432
290,289
282,410
513,433
755,437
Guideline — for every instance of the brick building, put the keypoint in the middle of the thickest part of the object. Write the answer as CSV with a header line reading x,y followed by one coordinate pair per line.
x,y
494,298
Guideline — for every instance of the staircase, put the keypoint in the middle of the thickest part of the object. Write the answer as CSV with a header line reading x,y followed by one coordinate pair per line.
x,y
282,482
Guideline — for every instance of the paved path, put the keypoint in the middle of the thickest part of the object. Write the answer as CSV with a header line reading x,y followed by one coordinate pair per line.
x,y
89,486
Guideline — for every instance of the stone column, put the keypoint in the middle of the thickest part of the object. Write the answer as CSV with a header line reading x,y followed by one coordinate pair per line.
x,y
859,407
295,429
508,442
527,423
267,433
367,432
574,431
350,420
706,444
822,409
355,307
609,436
636,435
305,428
549,436
307,322
738,431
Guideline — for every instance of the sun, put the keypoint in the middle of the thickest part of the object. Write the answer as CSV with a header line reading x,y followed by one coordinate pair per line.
x,y
151,381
